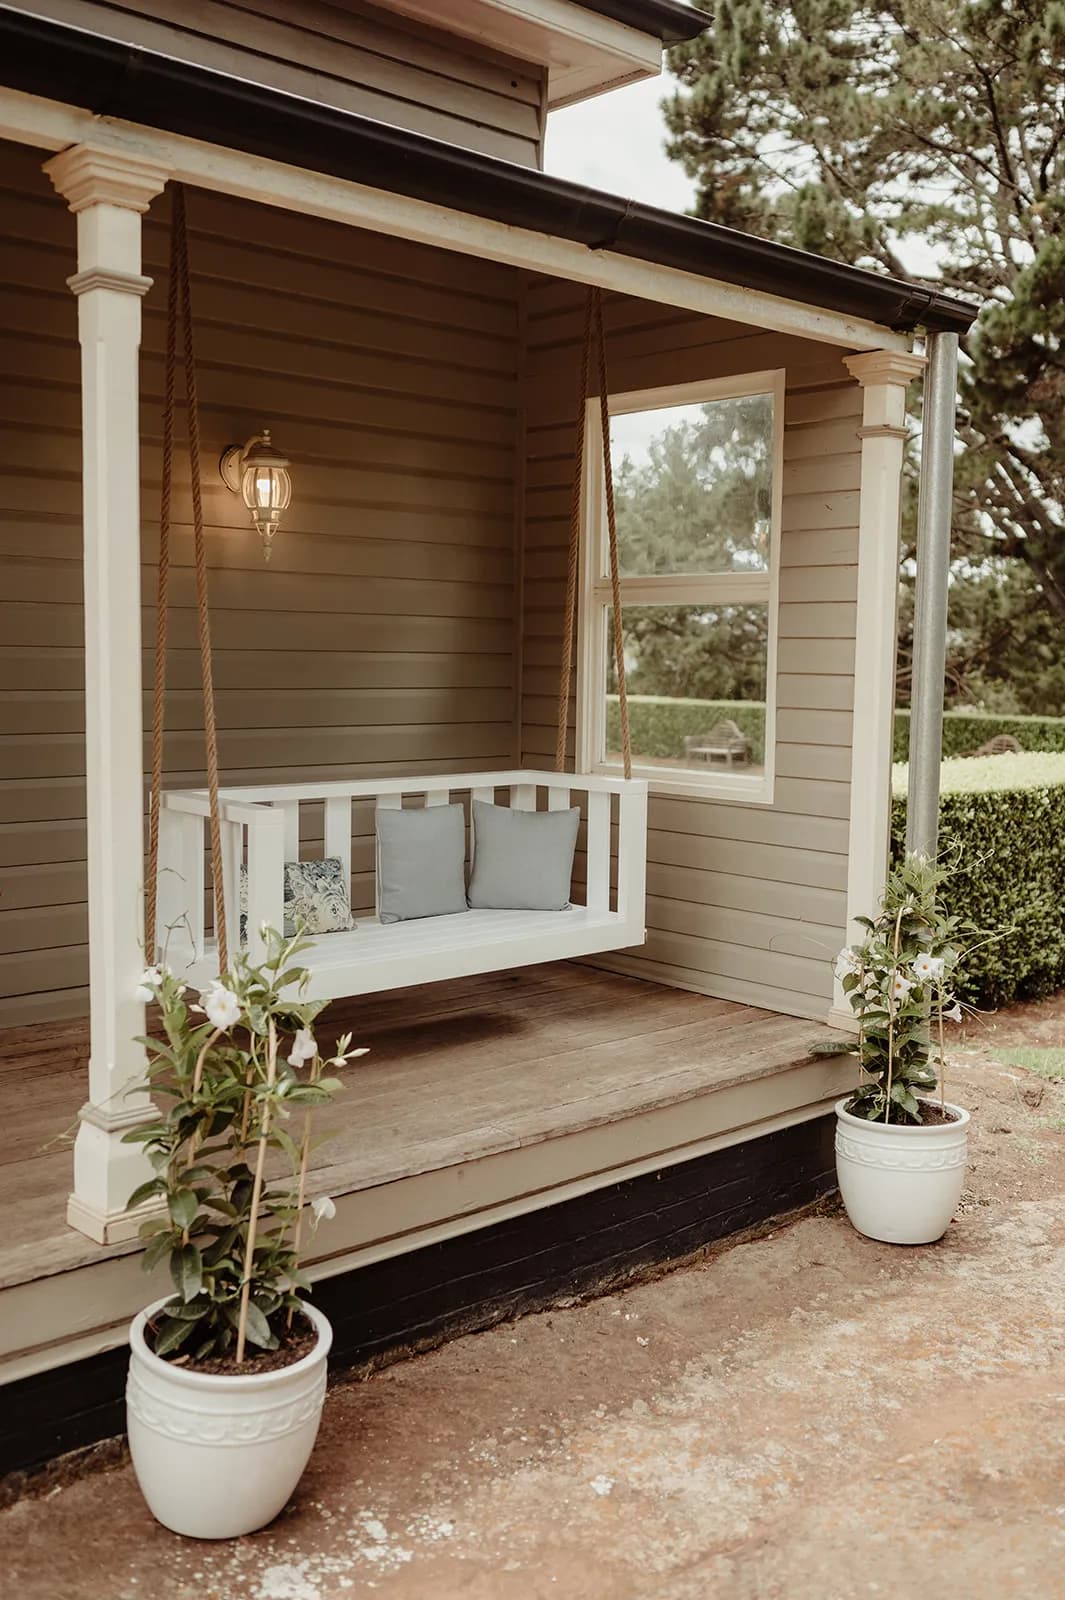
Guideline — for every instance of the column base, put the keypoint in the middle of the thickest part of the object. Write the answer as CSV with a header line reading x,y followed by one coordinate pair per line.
x,y
113,1227
845,1020
106,1172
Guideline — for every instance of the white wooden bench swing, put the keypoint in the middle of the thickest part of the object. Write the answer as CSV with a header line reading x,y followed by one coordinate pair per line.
x,y
251,832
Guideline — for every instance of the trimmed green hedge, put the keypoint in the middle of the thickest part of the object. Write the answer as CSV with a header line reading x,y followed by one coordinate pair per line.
x,y
966,731
1002,819
659,724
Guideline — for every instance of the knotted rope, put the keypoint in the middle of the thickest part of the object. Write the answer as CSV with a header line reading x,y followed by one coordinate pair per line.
x,y
179,309
594,332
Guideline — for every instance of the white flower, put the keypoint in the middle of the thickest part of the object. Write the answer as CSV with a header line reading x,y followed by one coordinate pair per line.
x,y
926,967
848,961
324,1209
148,983
304,1048
900,986
220,1006
954,1014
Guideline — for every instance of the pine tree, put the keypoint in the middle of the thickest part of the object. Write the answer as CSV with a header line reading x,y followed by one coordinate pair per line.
x,y
927,135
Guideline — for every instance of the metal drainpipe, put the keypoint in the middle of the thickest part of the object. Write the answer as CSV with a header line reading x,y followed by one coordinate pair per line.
x,y
930,599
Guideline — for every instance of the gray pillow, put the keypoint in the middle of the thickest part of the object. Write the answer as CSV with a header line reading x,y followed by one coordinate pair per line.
x,y
523,860
421,862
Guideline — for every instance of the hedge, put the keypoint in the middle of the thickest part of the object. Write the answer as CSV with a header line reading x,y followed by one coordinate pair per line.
x,y
966,731
1002,817
659,726
1002,821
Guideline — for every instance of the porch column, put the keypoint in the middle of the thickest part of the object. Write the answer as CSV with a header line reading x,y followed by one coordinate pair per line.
x,y
930,599
883,375
108,193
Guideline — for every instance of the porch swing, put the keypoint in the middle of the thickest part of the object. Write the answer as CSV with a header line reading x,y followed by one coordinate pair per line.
x,y
250,833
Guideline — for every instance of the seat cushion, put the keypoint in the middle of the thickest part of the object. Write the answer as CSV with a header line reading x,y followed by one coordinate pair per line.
x,y
421,863
522,860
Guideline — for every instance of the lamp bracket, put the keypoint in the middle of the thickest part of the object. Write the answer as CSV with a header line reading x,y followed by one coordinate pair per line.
x,y
230,465
232,460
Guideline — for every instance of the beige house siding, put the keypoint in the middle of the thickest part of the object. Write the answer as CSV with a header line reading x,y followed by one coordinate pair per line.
x,y
352,56
744,901
379,640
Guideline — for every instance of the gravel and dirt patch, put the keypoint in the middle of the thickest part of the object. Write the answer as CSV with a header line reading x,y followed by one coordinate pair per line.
x,y
804,1416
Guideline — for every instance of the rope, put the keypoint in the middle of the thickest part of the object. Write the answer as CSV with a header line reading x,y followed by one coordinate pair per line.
x,y
569,621
612,530
179,307
593,330
161,607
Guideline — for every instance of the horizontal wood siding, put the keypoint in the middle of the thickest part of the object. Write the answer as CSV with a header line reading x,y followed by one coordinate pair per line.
x,y
380,638
744,901
351,55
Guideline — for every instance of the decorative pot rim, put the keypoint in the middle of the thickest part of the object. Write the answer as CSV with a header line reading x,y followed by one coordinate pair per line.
x,y
226,1382
938,1130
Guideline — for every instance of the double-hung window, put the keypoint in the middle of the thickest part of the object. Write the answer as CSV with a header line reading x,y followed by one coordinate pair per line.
x,y
697,491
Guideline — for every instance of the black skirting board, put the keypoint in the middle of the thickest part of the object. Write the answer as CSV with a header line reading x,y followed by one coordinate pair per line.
x,y
578,1247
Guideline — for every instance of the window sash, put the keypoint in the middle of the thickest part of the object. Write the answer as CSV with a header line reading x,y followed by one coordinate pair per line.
x,y
719,588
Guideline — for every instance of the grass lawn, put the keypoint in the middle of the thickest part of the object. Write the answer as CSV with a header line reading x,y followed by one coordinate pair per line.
x,y
1048,1063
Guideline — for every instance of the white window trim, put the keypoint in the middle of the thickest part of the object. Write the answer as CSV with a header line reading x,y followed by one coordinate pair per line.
x,y
739,587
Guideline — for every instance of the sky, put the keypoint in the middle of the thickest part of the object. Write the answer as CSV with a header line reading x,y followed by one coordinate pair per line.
x,y
614,142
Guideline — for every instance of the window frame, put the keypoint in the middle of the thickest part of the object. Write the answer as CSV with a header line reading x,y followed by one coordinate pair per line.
x,y
726,588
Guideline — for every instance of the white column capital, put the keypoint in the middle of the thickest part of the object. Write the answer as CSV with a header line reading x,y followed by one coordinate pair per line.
x,y
88,175
872,367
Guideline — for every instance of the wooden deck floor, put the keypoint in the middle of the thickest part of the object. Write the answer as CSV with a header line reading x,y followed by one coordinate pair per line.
x,y
479,1099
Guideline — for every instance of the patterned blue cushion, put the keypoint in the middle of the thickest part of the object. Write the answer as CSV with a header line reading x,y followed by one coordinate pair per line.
x,y
316,894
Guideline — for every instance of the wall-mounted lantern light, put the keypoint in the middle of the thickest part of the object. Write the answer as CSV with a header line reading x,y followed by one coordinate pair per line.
x,y
258,472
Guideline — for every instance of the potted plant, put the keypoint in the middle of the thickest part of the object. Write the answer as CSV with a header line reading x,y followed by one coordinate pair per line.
x,y
900,1155
227,1373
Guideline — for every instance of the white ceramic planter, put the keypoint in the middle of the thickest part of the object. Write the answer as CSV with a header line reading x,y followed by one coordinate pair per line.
x,y
218,1456
901,1184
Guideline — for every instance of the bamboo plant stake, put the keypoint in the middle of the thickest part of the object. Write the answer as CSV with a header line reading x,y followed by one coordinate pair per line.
x,y
256,1194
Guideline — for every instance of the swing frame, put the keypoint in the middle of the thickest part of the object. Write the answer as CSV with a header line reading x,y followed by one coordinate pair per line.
x,y
261,829
252,832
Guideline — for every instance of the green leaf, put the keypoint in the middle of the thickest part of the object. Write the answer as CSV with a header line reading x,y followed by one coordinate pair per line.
x,y
145,1133
186,1269
258,1329
197,1308
153,1225
146,1191
157,1249
172,1335
183,1205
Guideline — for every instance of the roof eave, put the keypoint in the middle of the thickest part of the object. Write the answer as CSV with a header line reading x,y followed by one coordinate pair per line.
x,y
668,20
112,79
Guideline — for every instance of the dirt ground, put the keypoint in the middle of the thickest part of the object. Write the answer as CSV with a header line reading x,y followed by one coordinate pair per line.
x,y
807,1414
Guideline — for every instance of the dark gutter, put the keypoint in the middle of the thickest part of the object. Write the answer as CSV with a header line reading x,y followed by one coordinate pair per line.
x,y
113,79
668,20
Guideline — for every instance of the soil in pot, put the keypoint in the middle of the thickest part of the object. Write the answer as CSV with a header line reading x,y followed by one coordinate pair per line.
x,y
296,1342
934,1116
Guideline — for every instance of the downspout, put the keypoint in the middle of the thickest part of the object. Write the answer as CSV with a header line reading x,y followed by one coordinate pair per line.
x,y
930,599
